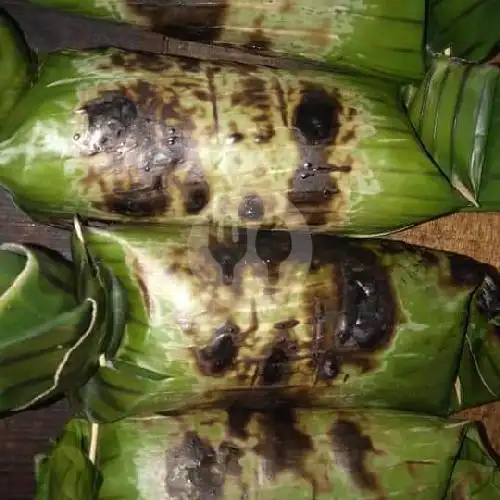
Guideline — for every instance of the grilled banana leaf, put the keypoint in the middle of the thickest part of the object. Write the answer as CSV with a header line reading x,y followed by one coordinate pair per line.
x,y
217,316
287,453
455,112
119,136
467,29
53,323
16,64
338,33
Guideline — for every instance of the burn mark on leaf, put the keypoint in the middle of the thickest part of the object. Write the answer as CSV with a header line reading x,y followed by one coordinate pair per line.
x,y
193,470
282,103
328,365
238,419
139,61
256,97
189,64
351,449
219,356
275,365
316,118
251,208
235,137
196,193
282,444
465,272
316,125
287,324
229,457
258,42
200,23
139,202
368,310
142,149
109,120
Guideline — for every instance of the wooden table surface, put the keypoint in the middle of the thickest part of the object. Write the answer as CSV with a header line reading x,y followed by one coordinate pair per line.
x,y
24,435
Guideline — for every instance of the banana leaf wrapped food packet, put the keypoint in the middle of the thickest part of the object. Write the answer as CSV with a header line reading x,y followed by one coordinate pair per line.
x,y
55,317
119,136
215,316
339,33
286,453
441,108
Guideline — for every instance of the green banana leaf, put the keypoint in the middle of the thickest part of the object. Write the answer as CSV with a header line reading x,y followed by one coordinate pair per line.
x,y
117,136
16,64
53,324
216,316
467,29
456,113
339,33
287,453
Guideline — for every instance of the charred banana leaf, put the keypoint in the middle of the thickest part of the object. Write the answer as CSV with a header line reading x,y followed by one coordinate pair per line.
x,y
120,136
286,453
53,325
339,33
456,111
255,317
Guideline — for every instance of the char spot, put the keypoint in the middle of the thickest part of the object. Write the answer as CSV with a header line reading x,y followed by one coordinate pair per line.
x,y
316,125
238,419
274,367
202,95
140,202
312,194
192,65
229,456
235,137
266,135
196,22
258,42
109,119
193,470
328,366
351,448
253,94
196,197
251,208
287,324
282,445
136,61
317,117
219,356
368,311
466,271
